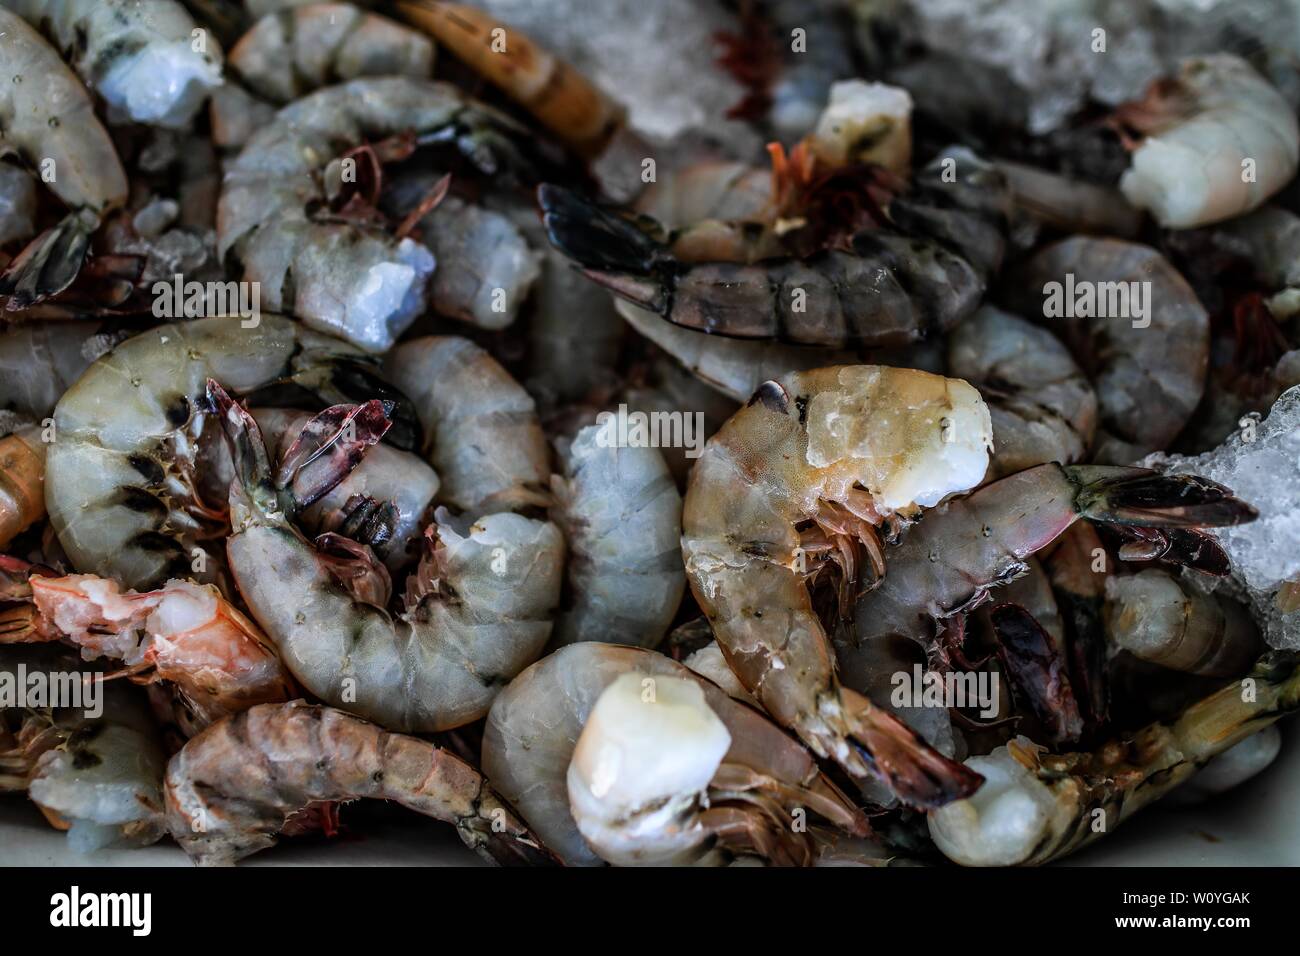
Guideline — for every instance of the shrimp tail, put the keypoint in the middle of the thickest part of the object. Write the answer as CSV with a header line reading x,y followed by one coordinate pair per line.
x,y
334,380
253,494
324,453
48,264
1145,498
494,832
1185,547
328,447
1038,670
613,250
368,521
919,775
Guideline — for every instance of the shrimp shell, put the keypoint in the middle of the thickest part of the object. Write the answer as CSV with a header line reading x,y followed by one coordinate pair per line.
x,y
1149,375
560,97
139,55
290,53
621,515
231,789
484,438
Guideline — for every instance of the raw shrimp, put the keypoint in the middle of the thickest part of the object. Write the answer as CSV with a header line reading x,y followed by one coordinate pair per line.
x,y
388,475
478,608
951,561
1035,807
121,474
560,97
146,58
752,784
184,633
341,276
22,482
94,770
1041,403
482,432
1147,361
1219,141
293,52
486,267
621,515
231,789
48,119
1160,619
893,287
803,473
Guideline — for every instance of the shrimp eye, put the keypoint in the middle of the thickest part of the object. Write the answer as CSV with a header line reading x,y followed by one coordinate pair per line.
x,y
773,396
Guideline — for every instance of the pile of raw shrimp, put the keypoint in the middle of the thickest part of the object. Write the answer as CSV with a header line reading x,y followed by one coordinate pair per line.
x,y
387,414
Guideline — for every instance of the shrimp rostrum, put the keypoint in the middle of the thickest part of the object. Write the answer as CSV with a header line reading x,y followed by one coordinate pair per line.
x,y
478,607
231,789
796,482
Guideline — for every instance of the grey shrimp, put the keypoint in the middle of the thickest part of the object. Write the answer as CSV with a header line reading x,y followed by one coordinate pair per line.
x,y
1036,807
735,777
893,287
482,433
1042,405
800,477
146,58
950,562
121,479
93,771
1157,617
621,515
354,281
1148,361
294,51
1205,129
477,609
48,119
